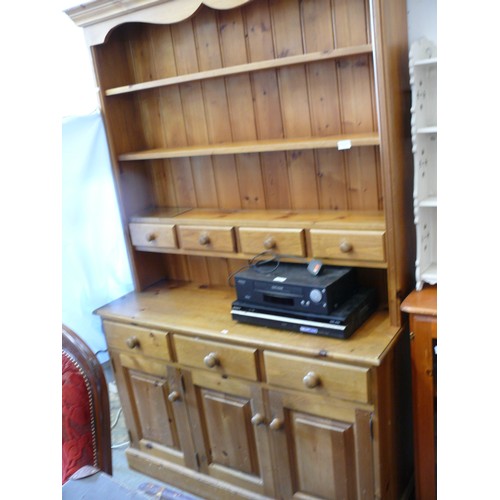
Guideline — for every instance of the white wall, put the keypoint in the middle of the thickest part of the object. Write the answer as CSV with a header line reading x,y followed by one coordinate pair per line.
x,y
422,20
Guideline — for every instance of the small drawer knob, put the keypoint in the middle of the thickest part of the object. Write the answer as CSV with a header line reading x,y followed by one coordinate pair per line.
x,y
132,342
311,380
269,243
204,239
258,419
276,424
211,360
174,396
151,237
345,246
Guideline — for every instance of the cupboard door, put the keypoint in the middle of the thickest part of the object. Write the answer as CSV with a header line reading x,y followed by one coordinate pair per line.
x,y
320,451
154,409
227,419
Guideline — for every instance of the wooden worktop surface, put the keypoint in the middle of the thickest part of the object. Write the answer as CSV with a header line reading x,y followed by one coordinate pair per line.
x,y
205,312
421,302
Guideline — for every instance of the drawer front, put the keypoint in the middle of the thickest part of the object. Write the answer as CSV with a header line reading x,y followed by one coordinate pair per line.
x,y
225,359
321,377
217,239
152,235
285,241
137,340
348,245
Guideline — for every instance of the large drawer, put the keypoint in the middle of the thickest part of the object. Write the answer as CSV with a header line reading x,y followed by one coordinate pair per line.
x,y
152,235
315,376
135,339
226,359
348,245
216,239
255,240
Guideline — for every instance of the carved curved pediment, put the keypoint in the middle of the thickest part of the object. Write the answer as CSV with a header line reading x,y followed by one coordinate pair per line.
x,y
99,17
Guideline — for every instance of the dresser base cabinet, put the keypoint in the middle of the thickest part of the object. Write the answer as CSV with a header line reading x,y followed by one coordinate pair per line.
x,y
238,411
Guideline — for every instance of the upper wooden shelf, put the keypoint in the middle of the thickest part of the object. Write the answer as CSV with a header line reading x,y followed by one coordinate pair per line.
x,y
243,68
263,146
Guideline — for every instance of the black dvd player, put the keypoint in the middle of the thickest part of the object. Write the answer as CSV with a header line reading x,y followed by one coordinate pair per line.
x,y
340,323
290,286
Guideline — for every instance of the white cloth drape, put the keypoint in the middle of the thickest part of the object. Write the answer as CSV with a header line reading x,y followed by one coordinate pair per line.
x,y
95,266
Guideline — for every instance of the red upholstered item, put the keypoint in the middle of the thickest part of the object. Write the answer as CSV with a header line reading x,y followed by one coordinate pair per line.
x,y
86,429
78,441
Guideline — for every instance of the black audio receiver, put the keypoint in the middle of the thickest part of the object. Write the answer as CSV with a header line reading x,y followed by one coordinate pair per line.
x,y
290,286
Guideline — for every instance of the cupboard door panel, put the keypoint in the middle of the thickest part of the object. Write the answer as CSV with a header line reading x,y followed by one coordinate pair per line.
x,y
155,410
331,443
231,445
229,431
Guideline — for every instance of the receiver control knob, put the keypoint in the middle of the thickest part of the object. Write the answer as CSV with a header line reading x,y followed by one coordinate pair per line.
x,y
315,295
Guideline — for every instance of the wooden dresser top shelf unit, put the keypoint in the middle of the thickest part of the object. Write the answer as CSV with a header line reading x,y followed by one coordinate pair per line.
x,y
205,312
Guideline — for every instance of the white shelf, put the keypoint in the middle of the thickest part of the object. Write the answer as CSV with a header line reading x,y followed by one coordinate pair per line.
x,y
426,62
429,202
427,130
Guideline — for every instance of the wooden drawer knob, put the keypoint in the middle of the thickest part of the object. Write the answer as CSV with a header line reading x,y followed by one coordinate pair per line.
x,y
211,360
132,342
174,396
269,243
258,419
311,380
151,237
204,239
345,246
276,424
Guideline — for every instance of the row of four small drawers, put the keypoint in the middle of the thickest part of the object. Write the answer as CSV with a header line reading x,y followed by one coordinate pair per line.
x,y
325,243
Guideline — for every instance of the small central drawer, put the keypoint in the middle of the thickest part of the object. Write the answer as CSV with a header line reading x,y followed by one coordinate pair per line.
x,y
226,359
152,235
217,239
254,240
137,340
348,245
320,377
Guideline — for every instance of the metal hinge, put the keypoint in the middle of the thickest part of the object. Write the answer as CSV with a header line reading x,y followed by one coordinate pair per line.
x,y
197,457
371,426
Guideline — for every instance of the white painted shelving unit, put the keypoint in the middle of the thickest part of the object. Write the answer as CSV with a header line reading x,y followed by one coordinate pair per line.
x,y
423,79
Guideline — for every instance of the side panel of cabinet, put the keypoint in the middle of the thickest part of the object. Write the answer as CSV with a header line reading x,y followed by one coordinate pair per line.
x,y
155,413
230,447
320,451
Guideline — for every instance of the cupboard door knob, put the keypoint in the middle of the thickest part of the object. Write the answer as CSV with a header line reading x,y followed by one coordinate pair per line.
x,y
276,424
345,246
258,419
132,342
211,360
151,237
204,239
174,396
269,243
311,380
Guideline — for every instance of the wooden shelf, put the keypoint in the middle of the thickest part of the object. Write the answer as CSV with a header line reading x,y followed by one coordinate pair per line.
x,y
264,146
333,219
243,68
